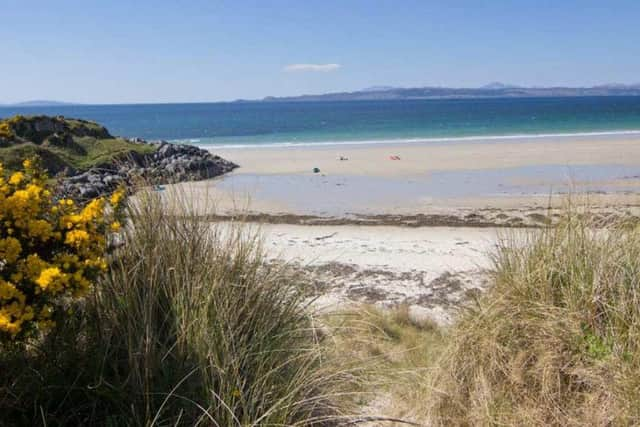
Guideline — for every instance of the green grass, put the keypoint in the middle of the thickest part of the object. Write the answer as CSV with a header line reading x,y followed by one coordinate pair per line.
x,y
90,144
99,151
13,156
55,159
75,124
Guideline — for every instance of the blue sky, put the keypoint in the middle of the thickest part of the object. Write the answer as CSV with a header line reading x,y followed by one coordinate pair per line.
x,y
124,51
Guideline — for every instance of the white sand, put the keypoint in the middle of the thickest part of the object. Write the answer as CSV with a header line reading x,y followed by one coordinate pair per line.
x,y
432,269
436,249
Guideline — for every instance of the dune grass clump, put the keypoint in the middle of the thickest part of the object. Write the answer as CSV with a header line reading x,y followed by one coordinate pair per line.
x,y
555,341
189,326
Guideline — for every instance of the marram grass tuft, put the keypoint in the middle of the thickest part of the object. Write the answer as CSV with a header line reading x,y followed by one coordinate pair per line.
x,y
556,339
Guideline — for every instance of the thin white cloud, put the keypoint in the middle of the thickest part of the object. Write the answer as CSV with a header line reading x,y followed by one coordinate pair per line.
x,y
321,68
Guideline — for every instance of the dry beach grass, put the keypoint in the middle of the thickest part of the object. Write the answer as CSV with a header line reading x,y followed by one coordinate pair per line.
x,y
189,327
555,339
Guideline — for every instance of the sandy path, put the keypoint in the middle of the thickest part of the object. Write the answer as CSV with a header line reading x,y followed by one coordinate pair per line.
x,y
432,269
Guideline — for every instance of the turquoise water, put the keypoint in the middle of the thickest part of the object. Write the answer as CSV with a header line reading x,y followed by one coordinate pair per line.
x,y
292,123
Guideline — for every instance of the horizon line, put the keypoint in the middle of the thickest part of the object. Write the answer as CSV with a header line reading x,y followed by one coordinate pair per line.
x,y
384,88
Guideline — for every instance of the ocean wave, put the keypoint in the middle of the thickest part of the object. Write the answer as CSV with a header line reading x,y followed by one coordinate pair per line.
x,y
187,141
284,144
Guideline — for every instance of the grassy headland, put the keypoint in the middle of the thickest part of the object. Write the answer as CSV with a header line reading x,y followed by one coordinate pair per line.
x,y
62,143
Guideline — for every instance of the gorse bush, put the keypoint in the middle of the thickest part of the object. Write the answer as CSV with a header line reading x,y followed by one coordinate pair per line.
x,y
7,126
5,130
556,340
51,250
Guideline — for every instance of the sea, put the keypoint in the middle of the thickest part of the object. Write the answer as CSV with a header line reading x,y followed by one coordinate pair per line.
x,y
266,124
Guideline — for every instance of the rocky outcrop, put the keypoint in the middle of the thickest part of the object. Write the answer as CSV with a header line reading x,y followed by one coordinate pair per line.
x,y
169,163
64,145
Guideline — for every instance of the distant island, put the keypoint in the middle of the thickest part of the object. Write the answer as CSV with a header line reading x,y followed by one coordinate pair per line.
x,y
491,90
39,103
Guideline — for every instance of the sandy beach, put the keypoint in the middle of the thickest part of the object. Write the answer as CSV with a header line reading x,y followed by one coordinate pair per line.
x,y
420,158
478,183
433,270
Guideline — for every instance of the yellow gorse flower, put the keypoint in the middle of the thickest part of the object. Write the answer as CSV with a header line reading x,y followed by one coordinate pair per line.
x,y
117,197
51,251
51,279
16,178
5,130
77,237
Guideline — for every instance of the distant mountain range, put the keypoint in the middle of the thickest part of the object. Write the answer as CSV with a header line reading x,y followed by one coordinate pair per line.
x,y
491,90
38,103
